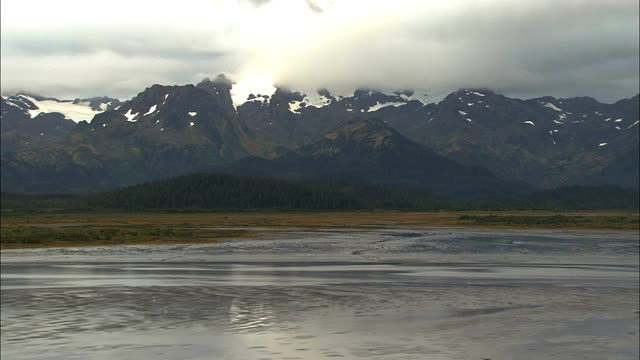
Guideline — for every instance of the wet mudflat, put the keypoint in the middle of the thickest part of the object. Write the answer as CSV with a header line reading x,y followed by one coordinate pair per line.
x,y
380,294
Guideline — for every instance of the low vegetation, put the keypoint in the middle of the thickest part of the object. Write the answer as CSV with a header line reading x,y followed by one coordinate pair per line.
x,y
629,221
55,229
26,235
210,207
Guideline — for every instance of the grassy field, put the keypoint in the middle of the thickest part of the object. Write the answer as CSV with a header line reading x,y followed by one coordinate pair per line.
x,y
53,229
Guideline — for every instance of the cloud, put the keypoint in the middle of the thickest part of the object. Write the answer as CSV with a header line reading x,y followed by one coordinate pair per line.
x,y
522,48
314,6
525,48
258,2
99,73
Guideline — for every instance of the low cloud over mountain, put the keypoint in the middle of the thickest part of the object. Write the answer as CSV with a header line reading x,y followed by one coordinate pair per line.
x,y
524,48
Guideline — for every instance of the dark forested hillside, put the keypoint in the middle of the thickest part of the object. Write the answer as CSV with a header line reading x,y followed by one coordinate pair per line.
x,y
216,192
370,151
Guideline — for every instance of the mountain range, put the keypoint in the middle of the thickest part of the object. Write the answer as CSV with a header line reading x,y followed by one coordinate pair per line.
x,y
370,151
473,142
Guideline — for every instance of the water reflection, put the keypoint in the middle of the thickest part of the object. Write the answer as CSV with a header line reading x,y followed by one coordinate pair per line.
x,y
276,308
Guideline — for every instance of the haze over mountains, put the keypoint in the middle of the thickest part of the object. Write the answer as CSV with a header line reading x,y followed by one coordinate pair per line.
x,y
473,142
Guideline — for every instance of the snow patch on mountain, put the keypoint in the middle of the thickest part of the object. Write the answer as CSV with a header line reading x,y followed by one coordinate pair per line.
x,y
7,100
131,117
76,112
152,109
294,106
422,98
104,106
380,105
316,100
552,106
11,103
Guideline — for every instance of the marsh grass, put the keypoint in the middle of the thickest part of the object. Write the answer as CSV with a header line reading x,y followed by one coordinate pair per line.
x,y
629,222
83,235
54,229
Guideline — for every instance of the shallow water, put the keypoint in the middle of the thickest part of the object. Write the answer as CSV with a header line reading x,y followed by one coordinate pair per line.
x,y
392,294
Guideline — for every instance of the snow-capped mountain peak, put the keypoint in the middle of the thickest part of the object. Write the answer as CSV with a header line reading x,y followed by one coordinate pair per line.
x,y
75,110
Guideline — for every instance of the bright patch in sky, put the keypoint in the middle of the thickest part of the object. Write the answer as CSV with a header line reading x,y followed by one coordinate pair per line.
x,y
74,48
251,84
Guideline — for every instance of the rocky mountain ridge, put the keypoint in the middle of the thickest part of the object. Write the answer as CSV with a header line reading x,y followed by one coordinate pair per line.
x,y
173,130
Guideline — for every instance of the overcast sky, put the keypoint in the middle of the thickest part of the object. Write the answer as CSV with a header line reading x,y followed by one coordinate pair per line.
x,y
522,48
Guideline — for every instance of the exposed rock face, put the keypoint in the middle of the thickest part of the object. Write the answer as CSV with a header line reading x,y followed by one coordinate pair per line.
x,y
171,130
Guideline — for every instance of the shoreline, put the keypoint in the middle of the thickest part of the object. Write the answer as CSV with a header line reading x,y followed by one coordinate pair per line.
x,y
49,230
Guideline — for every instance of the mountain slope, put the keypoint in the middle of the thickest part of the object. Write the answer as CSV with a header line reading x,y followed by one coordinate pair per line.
x,y
100,143
217,191
31,122
545,142
164,131
370,151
